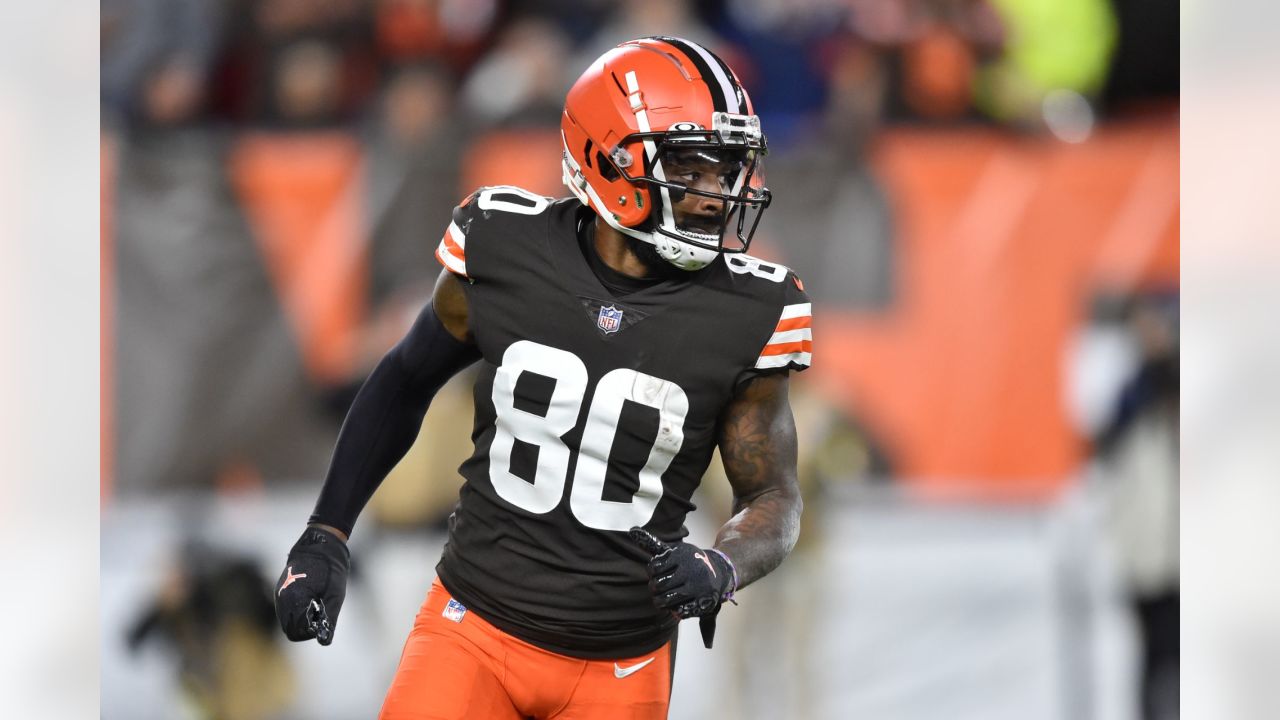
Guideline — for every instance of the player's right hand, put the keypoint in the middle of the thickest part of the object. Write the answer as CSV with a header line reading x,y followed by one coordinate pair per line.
x,y
311,589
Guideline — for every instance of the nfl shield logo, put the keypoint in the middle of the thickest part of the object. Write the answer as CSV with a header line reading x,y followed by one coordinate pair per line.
x,y
454,611
609,319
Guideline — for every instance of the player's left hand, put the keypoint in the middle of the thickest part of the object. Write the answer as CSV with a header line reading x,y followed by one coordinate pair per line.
x,y
686,579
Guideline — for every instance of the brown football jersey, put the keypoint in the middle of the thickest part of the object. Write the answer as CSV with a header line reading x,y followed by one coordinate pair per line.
x,y
594,412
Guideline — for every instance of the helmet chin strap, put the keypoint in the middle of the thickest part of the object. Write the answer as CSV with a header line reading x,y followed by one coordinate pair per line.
x,y
682,255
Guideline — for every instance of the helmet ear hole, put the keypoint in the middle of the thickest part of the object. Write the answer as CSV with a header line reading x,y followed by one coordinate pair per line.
x,y
607,170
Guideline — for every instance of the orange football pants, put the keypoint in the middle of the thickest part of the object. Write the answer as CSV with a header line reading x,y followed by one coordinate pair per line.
x,y
465,668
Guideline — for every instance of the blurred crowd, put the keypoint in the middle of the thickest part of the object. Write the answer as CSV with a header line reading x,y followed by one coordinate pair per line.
x,y
277,174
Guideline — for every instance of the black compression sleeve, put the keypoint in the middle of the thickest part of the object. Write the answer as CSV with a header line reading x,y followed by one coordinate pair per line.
x,y
385,418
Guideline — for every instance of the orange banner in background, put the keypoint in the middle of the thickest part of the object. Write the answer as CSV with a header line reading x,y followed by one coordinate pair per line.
x,y
1003,240
528,158
303,195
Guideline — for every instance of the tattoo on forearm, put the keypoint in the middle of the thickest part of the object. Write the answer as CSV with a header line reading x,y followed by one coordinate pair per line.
x,y
758,449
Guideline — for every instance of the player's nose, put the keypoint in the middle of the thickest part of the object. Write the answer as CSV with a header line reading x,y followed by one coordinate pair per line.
x,y
709,205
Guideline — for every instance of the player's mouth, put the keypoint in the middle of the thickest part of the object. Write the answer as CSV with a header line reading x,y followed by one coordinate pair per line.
x,y
704,231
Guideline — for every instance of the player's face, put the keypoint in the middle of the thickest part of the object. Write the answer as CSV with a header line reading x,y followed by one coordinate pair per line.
x,y
707,171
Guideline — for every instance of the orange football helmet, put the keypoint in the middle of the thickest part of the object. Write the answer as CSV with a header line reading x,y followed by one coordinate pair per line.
x,y
636,104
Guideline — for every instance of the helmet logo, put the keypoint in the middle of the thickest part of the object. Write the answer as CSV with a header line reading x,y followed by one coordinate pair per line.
x,y
686,127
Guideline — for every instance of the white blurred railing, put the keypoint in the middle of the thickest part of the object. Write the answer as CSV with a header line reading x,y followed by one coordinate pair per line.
x,y
890,608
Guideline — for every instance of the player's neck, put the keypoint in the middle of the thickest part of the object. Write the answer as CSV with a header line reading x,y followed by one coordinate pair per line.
x,y
614,251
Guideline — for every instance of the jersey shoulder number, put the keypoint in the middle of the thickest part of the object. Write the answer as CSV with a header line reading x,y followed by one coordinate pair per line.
x,y
478,207
790,346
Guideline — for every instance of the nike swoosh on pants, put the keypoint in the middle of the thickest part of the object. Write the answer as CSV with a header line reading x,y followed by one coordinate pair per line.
x,y
621,672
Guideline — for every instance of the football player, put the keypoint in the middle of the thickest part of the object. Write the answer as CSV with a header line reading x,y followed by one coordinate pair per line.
x,y
622,334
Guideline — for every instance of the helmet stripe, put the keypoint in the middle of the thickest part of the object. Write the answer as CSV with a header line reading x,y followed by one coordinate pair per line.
x,y
719,85
738,93
650,148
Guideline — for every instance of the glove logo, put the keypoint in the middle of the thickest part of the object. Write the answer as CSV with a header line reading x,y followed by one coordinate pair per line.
x,y
706,562
289,578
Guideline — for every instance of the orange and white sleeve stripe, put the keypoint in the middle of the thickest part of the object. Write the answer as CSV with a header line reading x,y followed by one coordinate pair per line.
x,y
452,250
792,340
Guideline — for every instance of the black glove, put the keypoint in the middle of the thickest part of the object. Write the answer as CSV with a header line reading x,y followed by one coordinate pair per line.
x,y
312,587
687,580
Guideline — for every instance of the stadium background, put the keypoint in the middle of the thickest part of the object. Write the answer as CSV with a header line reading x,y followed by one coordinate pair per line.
x,y
982,198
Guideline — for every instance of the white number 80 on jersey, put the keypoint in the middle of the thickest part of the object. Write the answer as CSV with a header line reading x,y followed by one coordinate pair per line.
x,y
586,499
